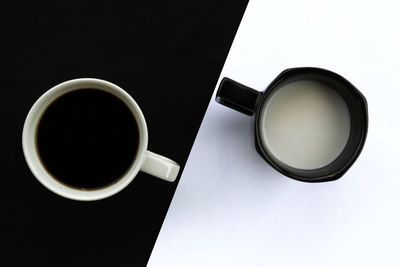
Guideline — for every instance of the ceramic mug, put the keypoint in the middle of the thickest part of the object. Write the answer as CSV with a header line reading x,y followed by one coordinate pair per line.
x,y
146,161
251,102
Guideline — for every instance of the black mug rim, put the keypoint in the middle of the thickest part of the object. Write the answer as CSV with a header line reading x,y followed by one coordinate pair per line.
x,y
357,105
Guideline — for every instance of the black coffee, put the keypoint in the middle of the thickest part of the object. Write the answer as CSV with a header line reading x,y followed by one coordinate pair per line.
x,y
87,138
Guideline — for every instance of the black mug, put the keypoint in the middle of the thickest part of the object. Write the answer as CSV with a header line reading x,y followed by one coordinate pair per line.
x,y
251,102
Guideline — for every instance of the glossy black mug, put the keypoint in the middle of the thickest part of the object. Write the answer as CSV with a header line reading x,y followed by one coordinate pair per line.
x,y
250,102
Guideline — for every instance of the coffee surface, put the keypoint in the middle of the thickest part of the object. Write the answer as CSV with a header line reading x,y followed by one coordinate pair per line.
x,y
87,138
305,124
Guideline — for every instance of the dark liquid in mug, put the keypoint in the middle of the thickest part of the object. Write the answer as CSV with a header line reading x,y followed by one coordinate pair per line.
x,y
87,138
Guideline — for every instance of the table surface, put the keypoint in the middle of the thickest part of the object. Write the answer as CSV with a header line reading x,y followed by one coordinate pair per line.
x,y
232,209
166,55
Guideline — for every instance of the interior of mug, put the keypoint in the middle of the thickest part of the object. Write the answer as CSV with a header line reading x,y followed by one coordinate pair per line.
x,y
356,107
305,124
31,151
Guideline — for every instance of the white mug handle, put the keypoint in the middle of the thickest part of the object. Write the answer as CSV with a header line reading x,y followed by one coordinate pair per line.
x,y
160,167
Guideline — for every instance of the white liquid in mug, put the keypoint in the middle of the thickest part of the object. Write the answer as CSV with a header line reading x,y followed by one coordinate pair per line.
x,y
305,124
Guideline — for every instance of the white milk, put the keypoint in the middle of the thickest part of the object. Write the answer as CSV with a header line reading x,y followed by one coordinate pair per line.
x,y
305,124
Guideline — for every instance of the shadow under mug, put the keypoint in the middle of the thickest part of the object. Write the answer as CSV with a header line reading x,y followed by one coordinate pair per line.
x,y
249,101
146,161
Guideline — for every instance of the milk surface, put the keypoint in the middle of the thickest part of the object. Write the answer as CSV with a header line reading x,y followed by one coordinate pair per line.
x,y
306,124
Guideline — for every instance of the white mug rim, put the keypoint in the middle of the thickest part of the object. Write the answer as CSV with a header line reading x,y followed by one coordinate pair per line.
x,y
33,159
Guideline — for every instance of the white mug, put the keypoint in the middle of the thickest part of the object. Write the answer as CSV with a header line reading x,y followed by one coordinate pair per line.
x,y
145,160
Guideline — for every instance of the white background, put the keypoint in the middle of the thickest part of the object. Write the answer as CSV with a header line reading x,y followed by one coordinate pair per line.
x,y
232,209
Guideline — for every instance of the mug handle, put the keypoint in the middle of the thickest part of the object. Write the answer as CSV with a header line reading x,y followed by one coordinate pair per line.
x,y
237,96
160,167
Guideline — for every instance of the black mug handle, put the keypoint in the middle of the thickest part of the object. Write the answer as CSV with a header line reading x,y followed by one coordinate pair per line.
x,y
237,96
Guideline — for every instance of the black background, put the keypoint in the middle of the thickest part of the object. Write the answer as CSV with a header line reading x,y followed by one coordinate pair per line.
x,y
166,54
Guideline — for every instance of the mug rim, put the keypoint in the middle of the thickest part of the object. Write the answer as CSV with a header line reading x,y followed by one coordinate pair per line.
x,y
32,156
320,174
